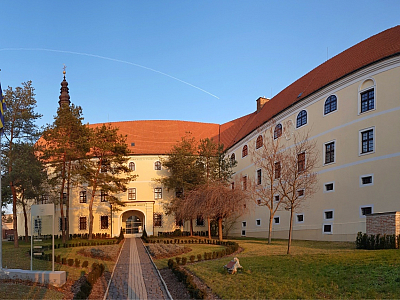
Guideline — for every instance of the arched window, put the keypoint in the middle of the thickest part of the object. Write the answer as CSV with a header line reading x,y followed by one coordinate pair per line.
x,y
278,131
301,119
259,142
245,151
157,165
233,158
330,104
131,166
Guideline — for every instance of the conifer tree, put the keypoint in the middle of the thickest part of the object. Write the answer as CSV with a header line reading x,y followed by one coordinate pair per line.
x,y
19,127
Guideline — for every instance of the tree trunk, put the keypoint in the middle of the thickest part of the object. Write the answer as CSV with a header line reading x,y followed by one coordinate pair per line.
x,y
91,217
220,229
14,194
67,202
26,221
191,227
271,218
290,229
209,227
62,199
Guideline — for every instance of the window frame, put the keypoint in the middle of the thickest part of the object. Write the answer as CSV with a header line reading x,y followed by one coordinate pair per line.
x,y
366,176
201,223
83,196
361,141
245,151
365,206
258,222
244,224
103,196
278,131
367,101
244,182
132,166
277,220
233,158
277,170
157,166
131,194
259,176
157,193
329,191
259,142
301,118
326,211
362,90
101,222
325,152
297,218
327,232
302,169
157,219
81,218
330,104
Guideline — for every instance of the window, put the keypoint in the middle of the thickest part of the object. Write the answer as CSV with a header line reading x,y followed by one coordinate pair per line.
x,y
366,180
301,119
243,232
276,220
258,202
328,214
259,142
157,220
277,170
278,131
82,223
233,185
157,193
244,224
300,218
103,196
366,210
62,223
82,197
329,152
64,198
179,192
200,221
43,200
258,222
327,228
301,162
104,222
277,198
132,166
329,187
178,222
104,166
367,100
367,141
157,165
330,104
244,151
244,182
233,158
259,176
300,193
132,194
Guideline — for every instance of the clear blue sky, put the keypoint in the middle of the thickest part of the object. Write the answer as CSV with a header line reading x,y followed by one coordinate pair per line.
x,y
224,54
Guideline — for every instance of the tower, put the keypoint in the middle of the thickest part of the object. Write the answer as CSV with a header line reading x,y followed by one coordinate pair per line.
x,y
64,94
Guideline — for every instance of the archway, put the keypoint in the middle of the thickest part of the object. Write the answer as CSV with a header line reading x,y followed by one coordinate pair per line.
x,y
133,222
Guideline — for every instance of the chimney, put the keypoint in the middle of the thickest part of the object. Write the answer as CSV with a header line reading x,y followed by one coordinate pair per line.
x,y
260,103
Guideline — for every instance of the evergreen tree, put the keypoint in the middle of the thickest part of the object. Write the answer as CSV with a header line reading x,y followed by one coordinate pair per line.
x,y
19,127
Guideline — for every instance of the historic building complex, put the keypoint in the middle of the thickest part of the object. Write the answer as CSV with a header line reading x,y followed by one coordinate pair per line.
x,y
349,105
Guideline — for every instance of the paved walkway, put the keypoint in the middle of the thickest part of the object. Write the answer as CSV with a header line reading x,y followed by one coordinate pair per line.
x,y
135,276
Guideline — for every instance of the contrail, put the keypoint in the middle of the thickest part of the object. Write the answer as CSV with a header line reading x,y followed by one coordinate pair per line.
x,y
111,59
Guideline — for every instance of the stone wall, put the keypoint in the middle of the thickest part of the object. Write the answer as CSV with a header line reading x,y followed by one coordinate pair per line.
x,y
383,223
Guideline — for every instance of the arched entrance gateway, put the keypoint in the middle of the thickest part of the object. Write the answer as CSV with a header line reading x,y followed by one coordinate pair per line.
x,y
133,223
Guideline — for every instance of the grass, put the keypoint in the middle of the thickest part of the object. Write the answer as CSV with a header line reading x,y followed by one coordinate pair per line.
x,y
313,270
19,258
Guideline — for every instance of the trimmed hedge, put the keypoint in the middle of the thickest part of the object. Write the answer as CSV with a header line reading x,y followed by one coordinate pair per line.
x,y
86,286
376,242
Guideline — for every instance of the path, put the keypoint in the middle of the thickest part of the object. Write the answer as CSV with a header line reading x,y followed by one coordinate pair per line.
x,y
135,276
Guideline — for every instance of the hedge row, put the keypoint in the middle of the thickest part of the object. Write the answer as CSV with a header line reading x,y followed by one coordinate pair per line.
x,y
190,241
375,242
90,280
187,279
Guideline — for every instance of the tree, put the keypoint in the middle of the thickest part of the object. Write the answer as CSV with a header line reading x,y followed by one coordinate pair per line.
x,y
185,173
65,142
19,127
267,159
216,200
298,180
28,176
104,165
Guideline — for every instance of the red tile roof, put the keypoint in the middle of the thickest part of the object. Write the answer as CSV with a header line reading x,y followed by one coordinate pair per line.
x,y
373,49
157,137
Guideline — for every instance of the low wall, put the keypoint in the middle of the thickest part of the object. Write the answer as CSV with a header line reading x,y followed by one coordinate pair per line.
x,y
383,223
56,278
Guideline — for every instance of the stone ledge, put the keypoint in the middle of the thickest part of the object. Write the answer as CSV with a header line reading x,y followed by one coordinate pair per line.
x,y
56,278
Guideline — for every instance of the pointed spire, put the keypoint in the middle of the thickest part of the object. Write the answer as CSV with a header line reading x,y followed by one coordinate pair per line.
x,y
64,94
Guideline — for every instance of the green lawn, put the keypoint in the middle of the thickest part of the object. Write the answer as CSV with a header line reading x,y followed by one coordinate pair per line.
x,y
313,270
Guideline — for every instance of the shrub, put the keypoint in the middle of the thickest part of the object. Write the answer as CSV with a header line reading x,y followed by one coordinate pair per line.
x,y
64,261
77,263
70,262
192,258
184,260
170,263
199,257
85,264
178,259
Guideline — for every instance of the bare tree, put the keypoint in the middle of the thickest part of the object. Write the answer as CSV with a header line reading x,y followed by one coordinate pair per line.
x,y
298,180
267,158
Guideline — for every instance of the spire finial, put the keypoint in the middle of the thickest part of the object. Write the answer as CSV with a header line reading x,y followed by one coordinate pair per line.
x,y
64,95
64,72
